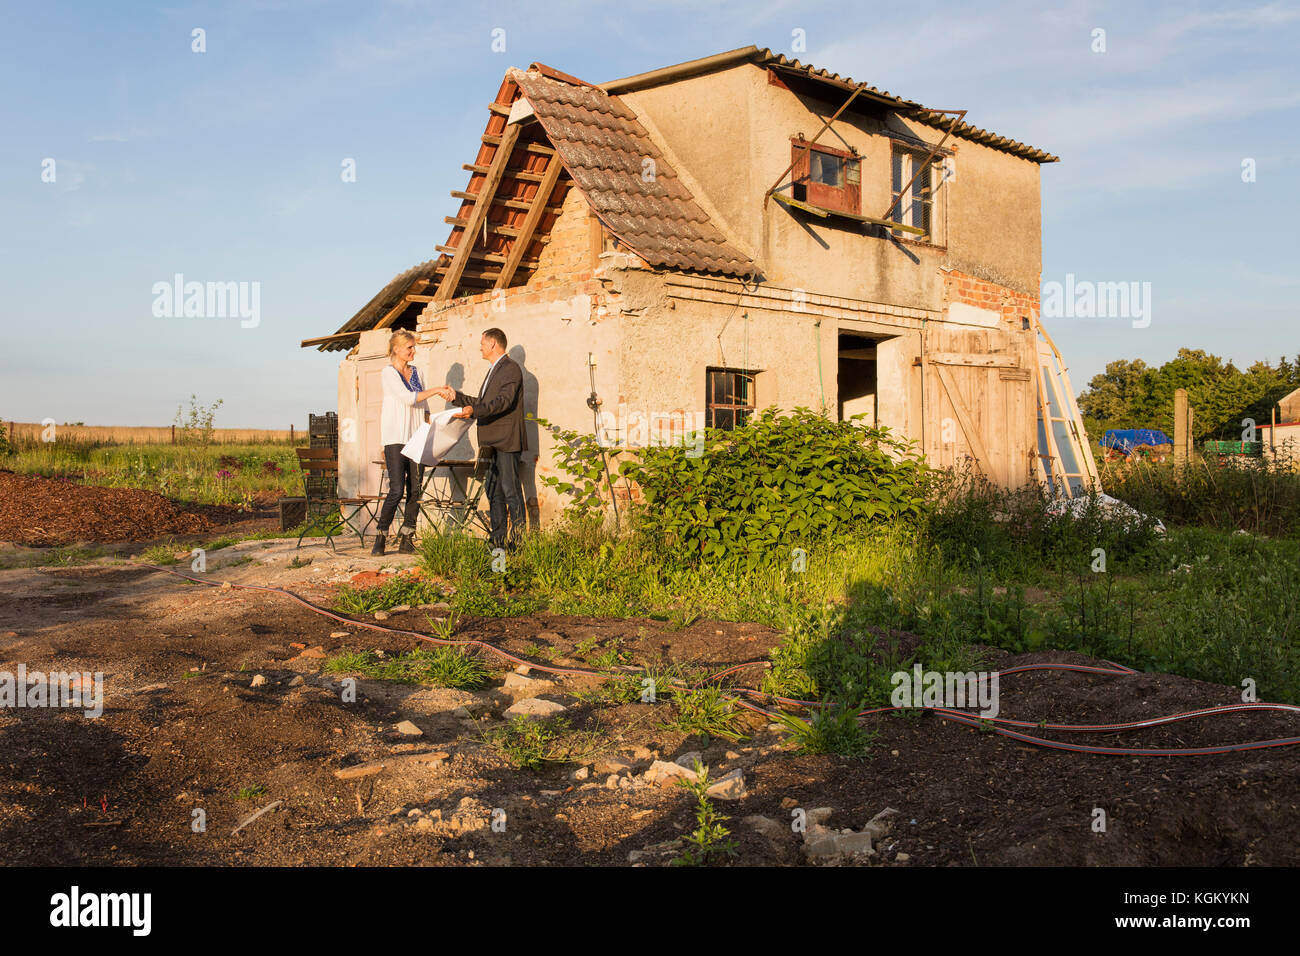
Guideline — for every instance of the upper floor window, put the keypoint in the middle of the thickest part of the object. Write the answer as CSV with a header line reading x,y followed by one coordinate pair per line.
x,y
916,208
825,177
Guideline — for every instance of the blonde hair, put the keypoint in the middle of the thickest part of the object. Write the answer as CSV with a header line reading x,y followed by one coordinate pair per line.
x,y
399,339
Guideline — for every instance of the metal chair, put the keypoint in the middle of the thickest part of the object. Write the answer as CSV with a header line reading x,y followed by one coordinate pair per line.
x,y
325,509
462,513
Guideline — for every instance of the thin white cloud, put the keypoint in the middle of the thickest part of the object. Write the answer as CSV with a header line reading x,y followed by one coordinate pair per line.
x,y
120,135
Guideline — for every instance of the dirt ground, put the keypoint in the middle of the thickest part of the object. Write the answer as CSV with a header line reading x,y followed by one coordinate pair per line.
x,y
187,727
40,512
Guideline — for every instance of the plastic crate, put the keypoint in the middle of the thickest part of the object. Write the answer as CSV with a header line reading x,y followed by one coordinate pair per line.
x,y
323,430
1254,448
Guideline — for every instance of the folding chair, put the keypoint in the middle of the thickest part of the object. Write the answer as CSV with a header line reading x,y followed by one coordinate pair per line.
x,y
325,509
461,513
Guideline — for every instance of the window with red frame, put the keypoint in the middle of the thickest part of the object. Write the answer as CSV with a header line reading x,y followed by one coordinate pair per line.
x,y
826,177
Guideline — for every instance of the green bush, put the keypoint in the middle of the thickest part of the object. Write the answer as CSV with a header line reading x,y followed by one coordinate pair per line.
x,y
779,482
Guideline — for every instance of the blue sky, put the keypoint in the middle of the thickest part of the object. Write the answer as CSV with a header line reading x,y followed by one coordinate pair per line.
x,y
225,166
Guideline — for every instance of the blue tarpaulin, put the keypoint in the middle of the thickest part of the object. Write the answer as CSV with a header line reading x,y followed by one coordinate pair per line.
x,y
1123,439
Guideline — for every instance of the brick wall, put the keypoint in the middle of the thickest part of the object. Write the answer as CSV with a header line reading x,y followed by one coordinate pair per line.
x,y
972,290
433,320
569,250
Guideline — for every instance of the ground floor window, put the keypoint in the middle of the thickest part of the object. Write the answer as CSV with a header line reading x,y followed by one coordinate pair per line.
x,y
729,397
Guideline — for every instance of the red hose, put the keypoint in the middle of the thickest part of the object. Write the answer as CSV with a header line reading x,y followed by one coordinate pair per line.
x,y
989,724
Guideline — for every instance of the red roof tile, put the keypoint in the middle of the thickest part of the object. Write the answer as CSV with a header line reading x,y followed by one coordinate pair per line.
x,y
604,148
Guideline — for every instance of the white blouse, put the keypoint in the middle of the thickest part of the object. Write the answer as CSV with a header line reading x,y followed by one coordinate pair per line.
x,y
401,414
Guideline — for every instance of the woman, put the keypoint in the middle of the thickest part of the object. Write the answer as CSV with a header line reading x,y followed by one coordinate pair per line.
x,y
403,411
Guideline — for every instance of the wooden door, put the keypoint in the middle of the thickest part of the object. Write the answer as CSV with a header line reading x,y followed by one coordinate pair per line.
x,y
980,404
370,403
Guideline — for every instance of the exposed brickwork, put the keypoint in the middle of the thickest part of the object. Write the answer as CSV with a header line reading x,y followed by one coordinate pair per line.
x,y
433,320
569,251
970,290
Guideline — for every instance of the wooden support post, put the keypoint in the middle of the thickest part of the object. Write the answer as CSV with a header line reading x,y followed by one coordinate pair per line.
x,y
1182,427
173,434
291,433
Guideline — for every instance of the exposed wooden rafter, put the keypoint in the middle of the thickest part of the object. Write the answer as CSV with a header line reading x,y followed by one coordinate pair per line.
x,y
412,295
541,201
522,204
478,215
495,258
328,339
520,174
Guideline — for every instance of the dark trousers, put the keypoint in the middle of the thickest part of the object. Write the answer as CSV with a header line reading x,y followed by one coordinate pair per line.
x,y
403,476
505,494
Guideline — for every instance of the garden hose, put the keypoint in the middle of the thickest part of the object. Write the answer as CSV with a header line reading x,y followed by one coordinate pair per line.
x,y
996,725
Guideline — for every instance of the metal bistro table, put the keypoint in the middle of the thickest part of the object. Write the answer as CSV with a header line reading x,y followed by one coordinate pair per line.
x,y
454,503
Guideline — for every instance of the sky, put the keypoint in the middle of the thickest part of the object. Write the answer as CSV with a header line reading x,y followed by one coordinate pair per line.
x,y
129,157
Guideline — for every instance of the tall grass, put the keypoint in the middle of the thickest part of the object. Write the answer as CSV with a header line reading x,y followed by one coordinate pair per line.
x,y
987,569
205,474
1225,492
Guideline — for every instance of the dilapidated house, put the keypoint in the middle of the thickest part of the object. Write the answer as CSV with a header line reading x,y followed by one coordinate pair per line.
x,y
741,231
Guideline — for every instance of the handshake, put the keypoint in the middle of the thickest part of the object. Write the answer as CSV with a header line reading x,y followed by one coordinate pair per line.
x,y
447,393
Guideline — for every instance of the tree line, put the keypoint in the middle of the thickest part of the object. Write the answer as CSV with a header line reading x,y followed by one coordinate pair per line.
x,y
1131,394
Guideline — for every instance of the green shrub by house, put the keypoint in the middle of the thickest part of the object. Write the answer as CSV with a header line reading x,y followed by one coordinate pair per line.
x,y
778,483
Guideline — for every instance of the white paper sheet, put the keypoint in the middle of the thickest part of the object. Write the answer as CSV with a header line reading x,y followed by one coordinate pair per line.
x,y
432,440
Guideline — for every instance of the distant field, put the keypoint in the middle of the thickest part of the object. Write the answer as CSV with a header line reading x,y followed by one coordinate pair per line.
x,y
26,432
229,471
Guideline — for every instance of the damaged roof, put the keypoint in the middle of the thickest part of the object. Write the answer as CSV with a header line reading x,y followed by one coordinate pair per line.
x,y
776,61
609,155
586,136
413,280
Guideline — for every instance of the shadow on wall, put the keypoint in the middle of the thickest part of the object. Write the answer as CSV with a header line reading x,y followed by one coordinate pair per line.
x,y
463,449
528,460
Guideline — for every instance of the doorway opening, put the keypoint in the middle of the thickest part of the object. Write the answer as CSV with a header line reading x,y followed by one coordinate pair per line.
x,y
857,382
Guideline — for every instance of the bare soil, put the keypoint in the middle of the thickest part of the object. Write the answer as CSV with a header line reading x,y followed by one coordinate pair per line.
x,y
39,511
184,729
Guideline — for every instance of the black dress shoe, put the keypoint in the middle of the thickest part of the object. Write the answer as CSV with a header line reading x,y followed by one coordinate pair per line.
x,y
377,548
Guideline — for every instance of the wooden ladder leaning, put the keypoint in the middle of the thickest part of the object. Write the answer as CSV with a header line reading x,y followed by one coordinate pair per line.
x,y
1065,463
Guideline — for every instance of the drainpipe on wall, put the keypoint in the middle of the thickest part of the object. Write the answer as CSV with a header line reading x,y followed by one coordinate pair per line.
x,y
923,321
821,384
594,403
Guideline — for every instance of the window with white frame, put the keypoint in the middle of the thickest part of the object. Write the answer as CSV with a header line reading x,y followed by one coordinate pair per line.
x,y
916,208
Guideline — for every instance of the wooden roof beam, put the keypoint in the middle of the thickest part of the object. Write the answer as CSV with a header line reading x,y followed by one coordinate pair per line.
x,y
520,174
538,149
508,231
494,257
478,215
522,204
529,226
327,339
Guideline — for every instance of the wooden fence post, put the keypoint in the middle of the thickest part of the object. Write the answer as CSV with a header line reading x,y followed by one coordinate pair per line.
x,y
1182,428
173,434
291,433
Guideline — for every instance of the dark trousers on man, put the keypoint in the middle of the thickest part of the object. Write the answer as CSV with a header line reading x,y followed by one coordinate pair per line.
x,y
505,494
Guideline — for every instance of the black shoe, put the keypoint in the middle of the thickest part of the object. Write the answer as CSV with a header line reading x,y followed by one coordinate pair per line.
x,y
405,545
378,548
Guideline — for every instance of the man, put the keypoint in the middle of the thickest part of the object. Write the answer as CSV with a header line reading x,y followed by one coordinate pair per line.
x,y
499,413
